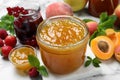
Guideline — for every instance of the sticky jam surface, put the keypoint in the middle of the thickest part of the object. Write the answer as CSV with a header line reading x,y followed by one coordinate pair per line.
x,y
62,32
20,56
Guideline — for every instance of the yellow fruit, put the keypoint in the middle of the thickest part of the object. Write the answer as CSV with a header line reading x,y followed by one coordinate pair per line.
x,y
76,4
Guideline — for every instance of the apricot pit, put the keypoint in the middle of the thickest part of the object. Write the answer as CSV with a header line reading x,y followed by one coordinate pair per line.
x,y
102,47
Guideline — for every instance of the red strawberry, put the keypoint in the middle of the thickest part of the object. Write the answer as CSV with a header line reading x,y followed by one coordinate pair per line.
x,y
3,33
10,40
5,51
33,72
1,42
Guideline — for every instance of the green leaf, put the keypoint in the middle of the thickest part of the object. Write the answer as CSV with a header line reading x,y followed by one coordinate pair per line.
x,y
108,23
96,65
96,60
87,20
6,22
42,70
93,36
87,63
33,60
88,57
103,17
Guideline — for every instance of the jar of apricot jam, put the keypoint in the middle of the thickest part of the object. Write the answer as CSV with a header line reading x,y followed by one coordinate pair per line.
x,y
25,25
62,42
19,57
96,7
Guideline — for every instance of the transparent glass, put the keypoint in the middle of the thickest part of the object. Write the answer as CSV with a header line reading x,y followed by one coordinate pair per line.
x,y
26,25
19,57
63,59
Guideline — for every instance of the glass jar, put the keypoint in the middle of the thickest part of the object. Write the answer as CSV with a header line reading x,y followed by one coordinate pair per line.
x,y
96,7
62,41
19,57
25,25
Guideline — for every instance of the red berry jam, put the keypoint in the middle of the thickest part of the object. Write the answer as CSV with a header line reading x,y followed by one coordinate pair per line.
x,y
26,24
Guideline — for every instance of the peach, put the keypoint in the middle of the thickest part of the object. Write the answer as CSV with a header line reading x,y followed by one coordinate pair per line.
x,y
58,8
117,11
117,53
92,26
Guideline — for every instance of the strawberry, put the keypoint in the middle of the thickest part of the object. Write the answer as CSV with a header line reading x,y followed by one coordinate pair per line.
x,y
10,40
1,42
3,33
5,50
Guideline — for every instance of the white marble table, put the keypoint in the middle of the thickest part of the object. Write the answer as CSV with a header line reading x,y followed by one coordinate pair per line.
x,y
110,70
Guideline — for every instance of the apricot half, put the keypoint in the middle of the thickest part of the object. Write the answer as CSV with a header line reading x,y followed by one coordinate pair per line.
x,y
114,36
102,47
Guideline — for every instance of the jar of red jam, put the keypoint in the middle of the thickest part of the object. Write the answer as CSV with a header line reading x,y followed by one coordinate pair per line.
x,y
96,7
25,25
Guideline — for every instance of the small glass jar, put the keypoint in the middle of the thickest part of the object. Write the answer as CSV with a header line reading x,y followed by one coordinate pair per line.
x,y
96,7
19,57
61,49
25,25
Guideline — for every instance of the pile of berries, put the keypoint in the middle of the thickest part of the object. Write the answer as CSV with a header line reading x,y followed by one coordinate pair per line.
x,y
7,42
16,11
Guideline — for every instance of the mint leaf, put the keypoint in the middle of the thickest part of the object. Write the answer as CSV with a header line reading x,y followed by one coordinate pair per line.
x,y
7,22
87,20
42,70
87,63
103,17
33,61
95,62
88,57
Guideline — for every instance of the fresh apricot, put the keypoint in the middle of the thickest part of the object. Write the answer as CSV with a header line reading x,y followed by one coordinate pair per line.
x,y
117,53
114,36
102,47
58,8
110,32
117,11
92,26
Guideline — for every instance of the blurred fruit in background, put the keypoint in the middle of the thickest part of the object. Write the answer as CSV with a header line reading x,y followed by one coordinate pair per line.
x,y
96,7
58,8
76,4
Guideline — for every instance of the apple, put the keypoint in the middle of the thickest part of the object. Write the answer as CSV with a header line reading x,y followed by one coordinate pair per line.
x,y
76,4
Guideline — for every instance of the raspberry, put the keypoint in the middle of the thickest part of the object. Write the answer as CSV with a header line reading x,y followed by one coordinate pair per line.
x,y
3,33
1,42
5,51
33,72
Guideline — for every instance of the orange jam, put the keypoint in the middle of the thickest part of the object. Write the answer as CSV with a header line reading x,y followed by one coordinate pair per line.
x,y
62,42
19,57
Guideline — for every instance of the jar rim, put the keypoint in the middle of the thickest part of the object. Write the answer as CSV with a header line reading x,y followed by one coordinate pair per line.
x,y
66,17
21,46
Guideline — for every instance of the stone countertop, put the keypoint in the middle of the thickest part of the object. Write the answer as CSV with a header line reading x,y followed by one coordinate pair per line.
x,y
110,70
